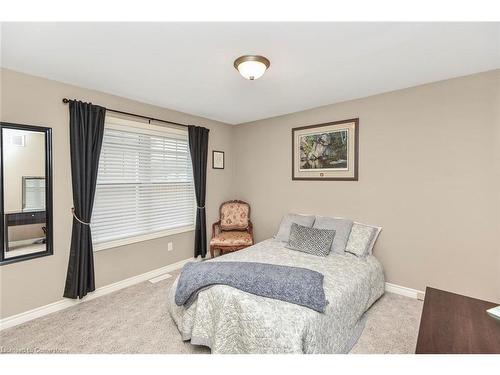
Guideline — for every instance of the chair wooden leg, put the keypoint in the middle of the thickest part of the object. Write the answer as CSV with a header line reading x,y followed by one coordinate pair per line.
x,y
212,251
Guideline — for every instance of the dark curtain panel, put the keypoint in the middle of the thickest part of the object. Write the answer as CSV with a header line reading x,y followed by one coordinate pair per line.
x,y
198,146
86,129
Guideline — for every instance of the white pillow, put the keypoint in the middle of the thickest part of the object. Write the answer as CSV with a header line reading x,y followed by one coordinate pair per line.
x,y
362,239
286,224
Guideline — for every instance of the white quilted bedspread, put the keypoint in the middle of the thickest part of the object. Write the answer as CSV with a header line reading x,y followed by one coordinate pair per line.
x,y
232,321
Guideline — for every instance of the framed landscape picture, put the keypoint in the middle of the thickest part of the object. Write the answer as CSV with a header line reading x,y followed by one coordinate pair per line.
x,y
326,151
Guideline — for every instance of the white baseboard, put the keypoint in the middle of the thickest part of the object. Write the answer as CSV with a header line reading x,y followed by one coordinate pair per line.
x,y
404,291
26,316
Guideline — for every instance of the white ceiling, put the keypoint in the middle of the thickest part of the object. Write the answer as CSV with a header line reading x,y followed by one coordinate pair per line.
x,y
189,66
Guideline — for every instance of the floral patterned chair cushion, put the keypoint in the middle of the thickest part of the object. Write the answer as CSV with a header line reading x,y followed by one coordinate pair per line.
x,y
232,238
234,215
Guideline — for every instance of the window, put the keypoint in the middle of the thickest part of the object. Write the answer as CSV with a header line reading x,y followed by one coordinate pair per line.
x,y
33,193
145,185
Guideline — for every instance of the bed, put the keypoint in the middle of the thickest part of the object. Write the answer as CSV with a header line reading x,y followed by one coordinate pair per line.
x,y
232,321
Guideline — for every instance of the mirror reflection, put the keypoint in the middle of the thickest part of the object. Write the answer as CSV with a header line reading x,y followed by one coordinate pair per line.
x,y
24,189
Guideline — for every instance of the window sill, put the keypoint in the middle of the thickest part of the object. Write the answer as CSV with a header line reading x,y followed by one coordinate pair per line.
x,y
141,238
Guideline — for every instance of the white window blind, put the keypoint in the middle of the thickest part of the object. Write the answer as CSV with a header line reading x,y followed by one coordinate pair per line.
x,y
144,184
34,193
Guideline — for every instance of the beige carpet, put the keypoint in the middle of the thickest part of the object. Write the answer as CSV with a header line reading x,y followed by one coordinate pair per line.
x,y
135,320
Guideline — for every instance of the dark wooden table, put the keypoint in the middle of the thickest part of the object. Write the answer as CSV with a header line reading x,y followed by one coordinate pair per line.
x,y
455,324
21,218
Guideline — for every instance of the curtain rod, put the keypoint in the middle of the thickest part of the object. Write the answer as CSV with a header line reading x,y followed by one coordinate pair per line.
x,y
65,101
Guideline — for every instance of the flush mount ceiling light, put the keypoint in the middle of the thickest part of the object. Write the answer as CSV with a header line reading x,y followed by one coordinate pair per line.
x,y
251,67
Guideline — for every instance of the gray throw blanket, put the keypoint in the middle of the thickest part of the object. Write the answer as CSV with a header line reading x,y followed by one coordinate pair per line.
x,y
296,285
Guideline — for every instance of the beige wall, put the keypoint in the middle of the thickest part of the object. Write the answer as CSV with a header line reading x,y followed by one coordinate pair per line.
x,y
21,161
18,162
429,174
30,100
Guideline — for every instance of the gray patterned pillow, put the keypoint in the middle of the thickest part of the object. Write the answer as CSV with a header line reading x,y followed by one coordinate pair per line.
x,y
311,240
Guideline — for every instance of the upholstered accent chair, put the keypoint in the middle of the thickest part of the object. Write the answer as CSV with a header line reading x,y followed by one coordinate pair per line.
x,y
234,230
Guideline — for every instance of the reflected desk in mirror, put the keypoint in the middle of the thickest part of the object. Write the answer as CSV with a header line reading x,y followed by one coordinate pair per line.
x,y
28,235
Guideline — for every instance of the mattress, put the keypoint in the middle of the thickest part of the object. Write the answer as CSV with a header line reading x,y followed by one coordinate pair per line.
x,y
232,321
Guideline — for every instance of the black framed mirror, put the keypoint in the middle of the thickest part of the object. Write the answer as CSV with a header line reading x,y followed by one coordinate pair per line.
x,y
25,192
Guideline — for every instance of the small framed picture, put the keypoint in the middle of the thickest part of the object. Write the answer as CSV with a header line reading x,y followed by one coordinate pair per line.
x,y
218,159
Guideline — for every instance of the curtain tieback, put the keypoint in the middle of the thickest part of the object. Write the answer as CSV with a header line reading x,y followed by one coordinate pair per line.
x,y
200,207
77,218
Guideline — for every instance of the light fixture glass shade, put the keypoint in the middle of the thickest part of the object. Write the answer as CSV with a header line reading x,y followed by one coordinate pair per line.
x,y
251,67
